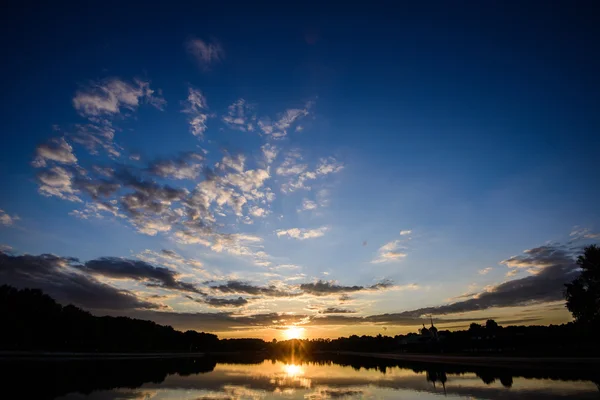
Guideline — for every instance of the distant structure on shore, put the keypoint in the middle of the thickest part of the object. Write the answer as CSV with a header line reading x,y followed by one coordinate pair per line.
x,y
431,334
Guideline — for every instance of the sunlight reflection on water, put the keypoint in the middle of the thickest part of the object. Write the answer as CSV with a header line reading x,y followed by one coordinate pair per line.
x,y
327,380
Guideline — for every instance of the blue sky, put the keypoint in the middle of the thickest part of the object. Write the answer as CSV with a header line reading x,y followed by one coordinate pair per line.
x,y
364,160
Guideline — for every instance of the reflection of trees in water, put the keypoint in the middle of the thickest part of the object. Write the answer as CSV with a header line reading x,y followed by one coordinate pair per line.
x,y
488,375
434,376
49,379
55,378
506,381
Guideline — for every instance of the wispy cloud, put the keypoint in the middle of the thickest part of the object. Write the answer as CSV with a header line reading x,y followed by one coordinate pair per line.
x,y
6,219
307,205
300,176
302,234
239,116
205,53
389,252
484,271
196,107
279,128
579,233
112,95
405,232
269,152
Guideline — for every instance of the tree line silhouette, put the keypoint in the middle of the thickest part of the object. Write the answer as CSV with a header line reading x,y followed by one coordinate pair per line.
x,y
32,320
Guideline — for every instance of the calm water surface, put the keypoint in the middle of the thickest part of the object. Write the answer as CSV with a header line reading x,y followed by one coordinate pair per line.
x,y
210,379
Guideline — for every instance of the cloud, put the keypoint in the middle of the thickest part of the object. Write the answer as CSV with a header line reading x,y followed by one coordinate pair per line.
x,y
302,234
186,166
405,232
328,166
155,197
95,136
58,182
484,271
389,252
290,165
237,287
206,54
308,205
183,266
196,107
57,150
217,302
301,176
235,163
215,321
57,277
112,95
579,233
335,310
237,116
554,264
512,273
279,128
538,258
269,153
258,212
6,219
101,103
122,268
325,288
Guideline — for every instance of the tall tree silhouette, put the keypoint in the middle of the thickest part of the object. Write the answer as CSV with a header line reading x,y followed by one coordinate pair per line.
x,y
583,294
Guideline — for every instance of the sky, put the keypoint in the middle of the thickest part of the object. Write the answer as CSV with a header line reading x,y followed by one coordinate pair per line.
x,y
241,169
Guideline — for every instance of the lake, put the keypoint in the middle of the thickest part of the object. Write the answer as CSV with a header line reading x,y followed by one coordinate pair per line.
x,y
312,378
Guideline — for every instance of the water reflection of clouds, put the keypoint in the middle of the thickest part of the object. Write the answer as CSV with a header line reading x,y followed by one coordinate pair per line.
x,y
269,380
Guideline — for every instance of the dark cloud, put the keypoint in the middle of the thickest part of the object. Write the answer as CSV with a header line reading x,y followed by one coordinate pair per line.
x,y
217,302
334,310
213,321
237,287
96,188
552,265
170,253
121,268
324,288
57,277
147,195
185,166
220,302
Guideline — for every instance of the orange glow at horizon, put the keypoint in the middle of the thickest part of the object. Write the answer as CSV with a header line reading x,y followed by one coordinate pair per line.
x,y
294,332
293,370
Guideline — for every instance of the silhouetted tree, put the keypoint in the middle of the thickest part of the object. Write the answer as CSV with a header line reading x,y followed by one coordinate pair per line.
x,y
491,326
583,294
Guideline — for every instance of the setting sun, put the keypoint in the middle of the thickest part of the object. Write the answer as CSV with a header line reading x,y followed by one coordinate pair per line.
x,y
294,332
293,370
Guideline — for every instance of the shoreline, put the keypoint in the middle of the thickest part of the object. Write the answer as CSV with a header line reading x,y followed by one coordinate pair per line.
x,y
47,355
487,361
